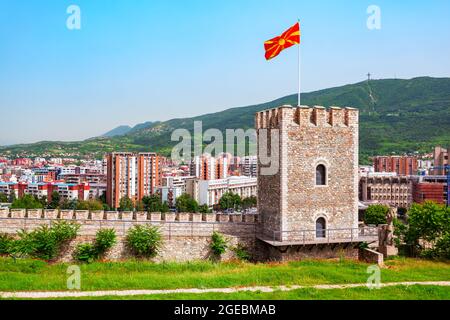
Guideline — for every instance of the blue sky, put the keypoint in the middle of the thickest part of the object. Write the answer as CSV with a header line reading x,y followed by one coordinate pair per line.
x,y
134,61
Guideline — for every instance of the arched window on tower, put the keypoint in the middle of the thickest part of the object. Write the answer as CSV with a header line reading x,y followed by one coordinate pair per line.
x,y
321,175
320,228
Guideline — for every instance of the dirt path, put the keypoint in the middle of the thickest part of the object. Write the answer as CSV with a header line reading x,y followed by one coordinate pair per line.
x,y
74,294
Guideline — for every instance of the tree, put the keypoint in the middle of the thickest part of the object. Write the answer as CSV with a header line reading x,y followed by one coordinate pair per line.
x,y
204,209
376,214
90,204
27,202
165,207
429,222
43,201
55,199
140,206
152,203
3,197
68,204
249,202
185,203
230,200
102,198
12,197
126,204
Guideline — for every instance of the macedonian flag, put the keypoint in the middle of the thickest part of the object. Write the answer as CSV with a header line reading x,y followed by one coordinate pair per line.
x,y
287,39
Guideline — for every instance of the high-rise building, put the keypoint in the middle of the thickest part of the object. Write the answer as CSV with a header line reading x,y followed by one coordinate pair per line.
x,y
206,167
249,166
402,165
133,175
440,160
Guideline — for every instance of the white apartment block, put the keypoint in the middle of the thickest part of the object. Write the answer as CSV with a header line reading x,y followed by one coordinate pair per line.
x,y
210,191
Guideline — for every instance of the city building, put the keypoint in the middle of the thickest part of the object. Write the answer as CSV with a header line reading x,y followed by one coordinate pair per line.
x,y
402,165
440,160
249,166
430,188
206,167
134,175
172,187
65,191
210,191
391,190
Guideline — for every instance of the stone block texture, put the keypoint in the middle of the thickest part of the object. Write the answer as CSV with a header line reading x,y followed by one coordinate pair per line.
x,y
290,200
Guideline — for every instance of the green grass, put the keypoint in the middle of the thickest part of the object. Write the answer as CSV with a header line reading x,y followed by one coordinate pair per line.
x,y
37,275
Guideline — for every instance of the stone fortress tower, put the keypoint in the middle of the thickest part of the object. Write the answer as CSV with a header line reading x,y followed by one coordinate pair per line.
x,y
309,207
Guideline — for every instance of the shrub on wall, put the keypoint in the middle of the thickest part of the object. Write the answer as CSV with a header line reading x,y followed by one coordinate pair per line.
x,y
144,240
105,239
241,252
47,241
376,214
85,252
44,242
218,244
5,243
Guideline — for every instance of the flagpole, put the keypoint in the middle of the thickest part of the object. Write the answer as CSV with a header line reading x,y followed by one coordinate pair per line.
x,y
298,100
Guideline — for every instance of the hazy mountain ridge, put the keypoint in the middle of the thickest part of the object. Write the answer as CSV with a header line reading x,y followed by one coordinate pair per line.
x,y
396,115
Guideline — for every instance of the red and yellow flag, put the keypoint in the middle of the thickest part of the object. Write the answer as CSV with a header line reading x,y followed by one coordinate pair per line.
x,y
287,39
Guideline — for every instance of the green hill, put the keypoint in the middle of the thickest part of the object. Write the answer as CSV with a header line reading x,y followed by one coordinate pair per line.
x,y
396,116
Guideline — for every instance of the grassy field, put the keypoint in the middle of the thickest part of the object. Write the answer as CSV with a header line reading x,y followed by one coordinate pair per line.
x,y
24,275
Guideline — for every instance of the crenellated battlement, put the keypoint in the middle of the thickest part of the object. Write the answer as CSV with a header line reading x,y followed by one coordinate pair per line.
x,y
305,116
85,215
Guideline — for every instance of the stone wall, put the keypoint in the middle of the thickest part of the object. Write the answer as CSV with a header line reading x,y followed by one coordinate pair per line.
x,y
294,253
371,256
186,236
290,200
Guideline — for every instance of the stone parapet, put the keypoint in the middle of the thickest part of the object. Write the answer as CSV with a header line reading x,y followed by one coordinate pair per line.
x,y
142,216
305,116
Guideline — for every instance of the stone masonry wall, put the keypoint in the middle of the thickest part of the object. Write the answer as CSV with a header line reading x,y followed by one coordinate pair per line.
x,y
186,236
309,137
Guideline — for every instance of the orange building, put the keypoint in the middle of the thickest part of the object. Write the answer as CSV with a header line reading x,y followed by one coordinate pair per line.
x,y
134,175
402,165
429,191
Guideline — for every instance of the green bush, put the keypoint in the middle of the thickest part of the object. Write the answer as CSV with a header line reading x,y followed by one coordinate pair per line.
x,y
65,230
376,214
185,203
88,252
218,244
241,252
5,243
44,242
47,241
442,247
27,202
105,239
144,240
363,245
85,252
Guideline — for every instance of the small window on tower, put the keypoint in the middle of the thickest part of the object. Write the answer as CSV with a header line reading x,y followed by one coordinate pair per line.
x,y
320,175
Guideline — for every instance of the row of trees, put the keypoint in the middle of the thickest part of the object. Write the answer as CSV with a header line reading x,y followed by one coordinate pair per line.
x,y
185,203
28,201
230,200
152,203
